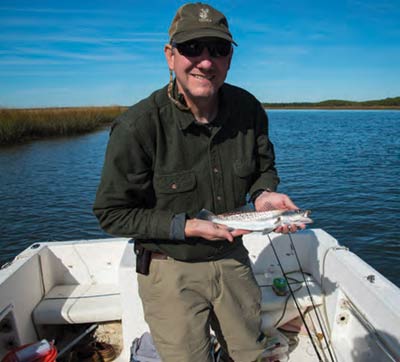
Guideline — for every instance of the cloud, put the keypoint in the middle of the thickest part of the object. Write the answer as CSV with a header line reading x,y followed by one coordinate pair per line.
x,y
22,61
45,90
373,7
63,38
257,28
58,11
286,50
108,55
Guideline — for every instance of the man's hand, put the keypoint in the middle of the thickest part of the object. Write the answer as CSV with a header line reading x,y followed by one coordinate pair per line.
x,y
211,231
274,200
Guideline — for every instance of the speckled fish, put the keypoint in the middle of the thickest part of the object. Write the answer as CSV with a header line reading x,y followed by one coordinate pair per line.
x,y
264,221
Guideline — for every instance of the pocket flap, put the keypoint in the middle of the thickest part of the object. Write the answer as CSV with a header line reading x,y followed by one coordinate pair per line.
x,y
176,182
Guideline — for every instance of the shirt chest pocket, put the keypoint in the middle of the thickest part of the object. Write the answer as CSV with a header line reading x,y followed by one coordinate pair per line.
x,y
244,174
176,191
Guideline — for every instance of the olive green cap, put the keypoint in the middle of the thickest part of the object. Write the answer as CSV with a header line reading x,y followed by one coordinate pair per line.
x,y
198,20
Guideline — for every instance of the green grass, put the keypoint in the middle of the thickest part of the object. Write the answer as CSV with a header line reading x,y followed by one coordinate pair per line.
x,y
19,125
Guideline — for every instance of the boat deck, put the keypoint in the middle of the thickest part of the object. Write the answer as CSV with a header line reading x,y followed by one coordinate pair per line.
x,y
358,305
304,351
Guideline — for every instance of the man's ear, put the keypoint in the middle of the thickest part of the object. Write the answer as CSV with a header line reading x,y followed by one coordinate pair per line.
x,y
169,56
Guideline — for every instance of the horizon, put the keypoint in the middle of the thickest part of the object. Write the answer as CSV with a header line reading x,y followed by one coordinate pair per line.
x,y
262,102
100,54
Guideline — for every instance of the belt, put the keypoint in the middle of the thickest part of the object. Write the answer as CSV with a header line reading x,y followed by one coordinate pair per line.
x,y
159,256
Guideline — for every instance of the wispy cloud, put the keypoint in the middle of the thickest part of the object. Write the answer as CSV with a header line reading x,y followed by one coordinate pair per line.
x,y
284,56
57,70
57,11
318,36
62,38
108,55
25,61
257,28
286,50
382,6
45,90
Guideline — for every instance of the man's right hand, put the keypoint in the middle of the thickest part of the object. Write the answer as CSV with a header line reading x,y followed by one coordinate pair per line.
x,y
211,231
272,201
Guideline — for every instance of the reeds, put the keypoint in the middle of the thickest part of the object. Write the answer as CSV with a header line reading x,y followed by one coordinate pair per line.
x,y
18,125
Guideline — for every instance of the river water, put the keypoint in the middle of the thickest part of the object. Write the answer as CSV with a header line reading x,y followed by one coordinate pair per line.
x,y
343,165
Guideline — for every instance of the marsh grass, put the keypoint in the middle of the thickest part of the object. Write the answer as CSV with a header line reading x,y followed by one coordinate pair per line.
x,y
19,125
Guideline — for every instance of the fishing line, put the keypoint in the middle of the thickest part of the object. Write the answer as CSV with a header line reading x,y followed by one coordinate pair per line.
x,y
295,300
287,301
311,298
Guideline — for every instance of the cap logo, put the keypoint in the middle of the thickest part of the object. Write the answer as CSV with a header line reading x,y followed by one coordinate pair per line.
x,y
204,16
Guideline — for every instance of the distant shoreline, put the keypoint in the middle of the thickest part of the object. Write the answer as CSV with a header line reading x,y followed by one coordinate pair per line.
x,y
21,125
339,104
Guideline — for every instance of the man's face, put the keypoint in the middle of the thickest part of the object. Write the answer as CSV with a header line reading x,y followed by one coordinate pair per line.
x,y
199,77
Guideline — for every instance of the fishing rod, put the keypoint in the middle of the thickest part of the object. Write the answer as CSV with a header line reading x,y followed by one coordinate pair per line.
x,y
312,299
295,301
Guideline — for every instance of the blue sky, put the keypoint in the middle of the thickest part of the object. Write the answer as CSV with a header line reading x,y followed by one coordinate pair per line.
x,y
83,53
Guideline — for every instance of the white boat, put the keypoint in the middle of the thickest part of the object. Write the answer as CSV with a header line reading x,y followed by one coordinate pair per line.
x,y
55,286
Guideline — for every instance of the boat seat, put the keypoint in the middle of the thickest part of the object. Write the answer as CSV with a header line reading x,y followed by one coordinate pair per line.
x,y
273,305
80,303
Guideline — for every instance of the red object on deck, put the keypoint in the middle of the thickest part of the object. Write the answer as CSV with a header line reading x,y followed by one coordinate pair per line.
x,y
48,356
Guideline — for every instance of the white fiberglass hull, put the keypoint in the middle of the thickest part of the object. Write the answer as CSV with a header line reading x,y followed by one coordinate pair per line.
x,y
94,281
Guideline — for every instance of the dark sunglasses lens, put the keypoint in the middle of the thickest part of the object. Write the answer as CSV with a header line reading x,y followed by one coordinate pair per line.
x,y
220,48
190,49
195,48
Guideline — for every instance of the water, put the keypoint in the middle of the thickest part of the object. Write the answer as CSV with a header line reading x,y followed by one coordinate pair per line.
x,y
343,165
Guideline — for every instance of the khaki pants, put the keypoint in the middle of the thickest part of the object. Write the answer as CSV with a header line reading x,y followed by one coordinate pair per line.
x,y
181,300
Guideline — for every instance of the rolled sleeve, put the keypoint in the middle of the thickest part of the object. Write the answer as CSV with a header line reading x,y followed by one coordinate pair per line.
x,y
178,223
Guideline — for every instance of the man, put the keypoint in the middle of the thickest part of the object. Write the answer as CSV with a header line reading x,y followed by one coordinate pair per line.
x,y
196,143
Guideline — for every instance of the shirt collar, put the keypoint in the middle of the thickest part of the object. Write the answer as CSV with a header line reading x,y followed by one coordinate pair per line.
x,y
185,117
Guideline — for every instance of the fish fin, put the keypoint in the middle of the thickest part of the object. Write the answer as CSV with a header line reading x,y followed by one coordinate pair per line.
x,y
205,215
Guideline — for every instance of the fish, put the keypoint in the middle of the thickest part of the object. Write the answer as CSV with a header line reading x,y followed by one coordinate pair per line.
x,y
258,221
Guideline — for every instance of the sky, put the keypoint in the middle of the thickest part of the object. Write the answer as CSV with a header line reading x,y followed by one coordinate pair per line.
x,y
100,53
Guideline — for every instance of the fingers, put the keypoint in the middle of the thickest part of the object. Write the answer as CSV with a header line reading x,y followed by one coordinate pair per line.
x,y
290,205
285,229
224,232
221,232
239,232
292,228
274,200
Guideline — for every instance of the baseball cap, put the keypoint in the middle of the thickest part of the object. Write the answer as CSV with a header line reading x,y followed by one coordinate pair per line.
x,y
198,20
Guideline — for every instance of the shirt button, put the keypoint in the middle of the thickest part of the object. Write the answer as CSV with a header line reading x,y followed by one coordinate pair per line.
x,y
219,198
174,186
215,170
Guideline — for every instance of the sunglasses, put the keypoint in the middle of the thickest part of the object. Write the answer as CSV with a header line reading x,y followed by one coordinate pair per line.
x,y
194,48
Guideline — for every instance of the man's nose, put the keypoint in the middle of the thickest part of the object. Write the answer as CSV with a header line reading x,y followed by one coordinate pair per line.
x,y
205,59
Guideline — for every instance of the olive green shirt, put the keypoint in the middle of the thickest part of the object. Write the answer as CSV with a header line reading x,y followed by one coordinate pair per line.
x,y
161,163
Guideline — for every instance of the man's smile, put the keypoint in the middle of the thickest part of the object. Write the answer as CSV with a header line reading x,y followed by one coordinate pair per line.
x,y
203,76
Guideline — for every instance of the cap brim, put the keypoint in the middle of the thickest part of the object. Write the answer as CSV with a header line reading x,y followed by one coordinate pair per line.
x,y
201,33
